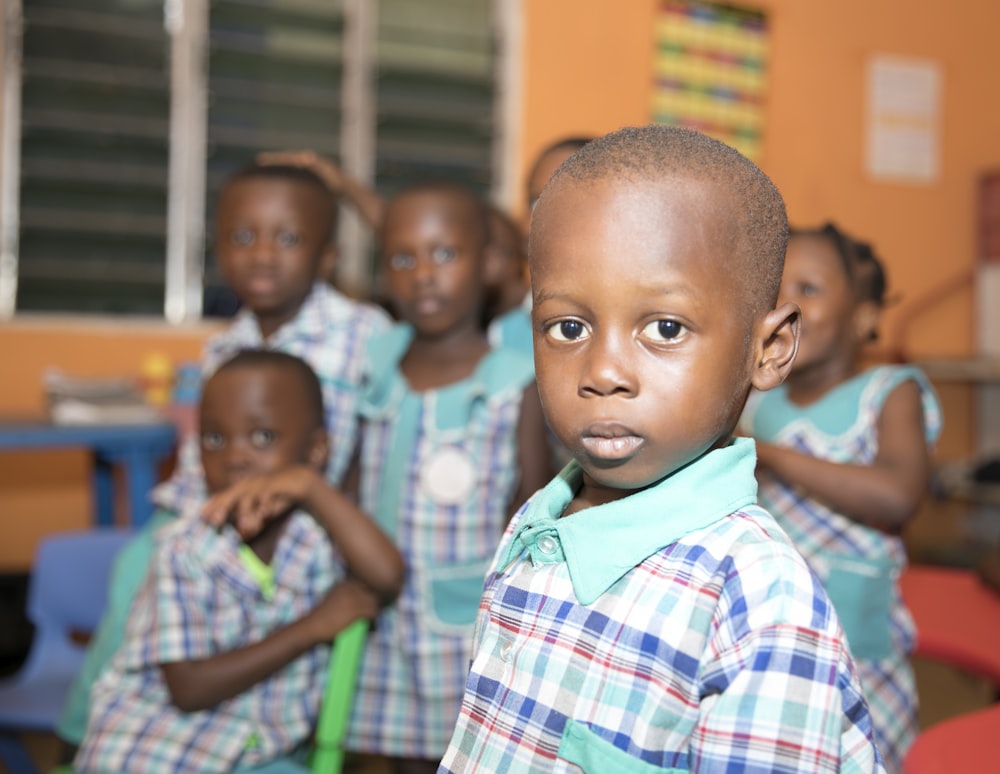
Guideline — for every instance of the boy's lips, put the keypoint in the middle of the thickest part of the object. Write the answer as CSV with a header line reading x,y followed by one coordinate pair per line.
x,y
261,283
610,441
428,305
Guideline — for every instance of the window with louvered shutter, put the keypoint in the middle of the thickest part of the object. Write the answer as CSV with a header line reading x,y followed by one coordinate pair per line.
x,y
96,123
94,150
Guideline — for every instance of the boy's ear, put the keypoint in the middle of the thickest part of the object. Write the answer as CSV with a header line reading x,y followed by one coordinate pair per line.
x,y
777,342
319,449
866,318
328,262
493,265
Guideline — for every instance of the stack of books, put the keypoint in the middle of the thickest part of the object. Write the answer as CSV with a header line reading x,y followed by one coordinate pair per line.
x,y
75,400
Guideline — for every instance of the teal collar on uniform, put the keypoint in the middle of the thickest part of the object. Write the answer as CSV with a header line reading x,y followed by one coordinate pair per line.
x,y
603,543
499,372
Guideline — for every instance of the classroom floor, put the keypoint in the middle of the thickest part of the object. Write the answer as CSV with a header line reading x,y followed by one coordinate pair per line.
x,y
945,532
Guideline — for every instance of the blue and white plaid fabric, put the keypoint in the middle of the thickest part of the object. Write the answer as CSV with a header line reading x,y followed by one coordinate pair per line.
x,y
673,630
200,600
842,427
439,469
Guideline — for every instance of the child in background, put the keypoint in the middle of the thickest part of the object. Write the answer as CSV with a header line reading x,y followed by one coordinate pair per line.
x,y
844,461
507,307
224,658
509,297
274,229
452,441
642,612
546,163
511,327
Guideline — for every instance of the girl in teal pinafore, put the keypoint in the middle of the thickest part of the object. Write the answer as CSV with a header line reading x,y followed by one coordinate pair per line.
x,y
452,442
843,463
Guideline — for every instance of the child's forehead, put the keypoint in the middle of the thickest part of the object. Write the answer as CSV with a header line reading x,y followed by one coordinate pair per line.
x,y
431,202
624,203
243,192
262,382
427,211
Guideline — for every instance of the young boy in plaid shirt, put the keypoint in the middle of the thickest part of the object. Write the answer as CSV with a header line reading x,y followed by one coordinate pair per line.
x,y
225,652
643,613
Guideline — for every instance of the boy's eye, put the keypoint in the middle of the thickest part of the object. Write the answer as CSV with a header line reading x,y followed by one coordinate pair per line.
x,y
402,262
808,289
287,239
443,254
211,441
663,330
261,438
568,330
242,237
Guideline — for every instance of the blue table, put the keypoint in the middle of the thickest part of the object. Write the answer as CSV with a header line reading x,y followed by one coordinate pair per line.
x,y
138,449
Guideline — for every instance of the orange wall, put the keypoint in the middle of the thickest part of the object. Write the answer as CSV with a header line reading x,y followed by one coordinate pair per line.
x,y
41,492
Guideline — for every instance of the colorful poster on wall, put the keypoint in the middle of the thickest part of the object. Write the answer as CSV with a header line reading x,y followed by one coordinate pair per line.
x,y
904,98
709,71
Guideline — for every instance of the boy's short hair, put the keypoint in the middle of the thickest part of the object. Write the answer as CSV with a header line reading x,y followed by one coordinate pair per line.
x,y
759,224
312,391
293,174
478,206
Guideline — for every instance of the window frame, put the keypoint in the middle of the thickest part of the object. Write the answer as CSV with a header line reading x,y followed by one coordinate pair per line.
x,y
186,23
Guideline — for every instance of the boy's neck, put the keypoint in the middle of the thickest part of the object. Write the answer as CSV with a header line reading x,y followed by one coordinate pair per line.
x,y
442,360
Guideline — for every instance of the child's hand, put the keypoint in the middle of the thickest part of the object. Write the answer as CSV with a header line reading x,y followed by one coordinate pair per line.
x,y
346,602
250,503
324,168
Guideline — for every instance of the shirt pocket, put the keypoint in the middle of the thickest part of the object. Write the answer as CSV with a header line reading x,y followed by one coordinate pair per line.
x,y
451,595
860,589
594,755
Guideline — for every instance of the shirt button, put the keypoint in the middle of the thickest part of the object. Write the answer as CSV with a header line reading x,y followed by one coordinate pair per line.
x,y
506,648
547,545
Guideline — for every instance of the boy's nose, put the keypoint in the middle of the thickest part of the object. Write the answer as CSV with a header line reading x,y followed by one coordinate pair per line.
x,y
423,269
262,252
608,370
237,460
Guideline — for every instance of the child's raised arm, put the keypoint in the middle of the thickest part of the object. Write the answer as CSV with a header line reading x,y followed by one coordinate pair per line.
x,y
200,684
885,494
375,577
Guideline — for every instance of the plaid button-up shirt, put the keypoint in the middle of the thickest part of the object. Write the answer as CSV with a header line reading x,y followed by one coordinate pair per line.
x,y
200,600
673,630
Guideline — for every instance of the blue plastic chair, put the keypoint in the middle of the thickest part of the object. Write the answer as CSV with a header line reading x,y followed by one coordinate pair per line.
x,y
67,592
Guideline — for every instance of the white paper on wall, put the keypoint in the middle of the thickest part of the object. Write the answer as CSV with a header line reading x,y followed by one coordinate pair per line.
x,y
903,116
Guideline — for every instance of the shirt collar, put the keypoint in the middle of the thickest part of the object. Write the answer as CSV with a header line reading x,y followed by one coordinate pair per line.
x,y
310,322
603,543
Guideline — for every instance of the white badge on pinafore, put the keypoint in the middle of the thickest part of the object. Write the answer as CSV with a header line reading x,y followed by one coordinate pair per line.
x,y
449,476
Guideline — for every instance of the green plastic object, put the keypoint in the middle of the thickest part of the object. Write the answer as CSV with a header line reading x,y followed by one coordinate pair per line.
x,y
342,677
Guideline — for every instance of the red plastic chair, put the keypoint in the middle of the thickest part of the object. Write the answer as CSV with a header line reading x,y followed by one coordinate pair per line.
x,y
957,618
966,743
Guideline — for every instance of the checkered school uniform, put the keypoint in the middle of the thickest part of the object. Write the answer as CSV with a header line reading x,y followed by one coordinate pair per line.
x,y
675,629
201,600
438,469
330,333
859,566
